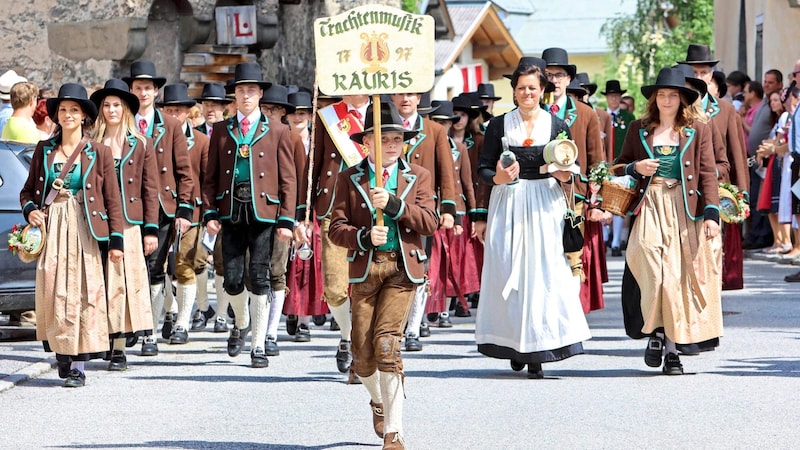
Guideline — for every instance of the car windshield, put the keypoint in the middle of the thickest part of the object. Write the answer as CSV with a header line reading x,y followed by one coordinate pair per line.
x,y
26,156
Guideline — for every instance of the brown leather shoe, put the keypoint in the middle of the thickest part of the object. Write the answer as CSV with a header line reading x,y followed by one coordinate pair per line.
x,y
393,441
377,418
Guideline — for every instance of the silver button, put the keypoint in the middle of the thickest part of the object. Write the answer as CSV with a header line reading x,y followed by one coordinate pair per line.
x,y
229,152
641,191
456,167
133,199
261,154
330,173
227,171
690,177
263,194
416,156
687,163
325,191
361,253
163,170
412,252
227,191
48,152
261,175
91,199
160,150
691,191
42,178
408,230
130,161
363,205
94,213
166,188
333,155
38,192
130,180
89,186
90,157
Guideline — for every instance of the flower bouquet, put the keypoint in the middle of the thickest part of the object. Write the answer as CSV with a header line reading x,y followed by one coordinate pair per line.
x,y
613,194
26,242
734,204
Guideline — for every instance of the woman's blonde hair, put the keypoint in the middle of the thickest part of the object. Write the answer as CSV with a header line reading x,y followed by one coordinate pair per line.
x,y
127,122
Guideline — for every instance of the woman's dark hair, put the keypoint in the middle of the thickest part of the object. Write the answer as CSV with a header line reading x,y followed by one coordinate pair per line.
x,y
652,116
756,88
528,70
773,116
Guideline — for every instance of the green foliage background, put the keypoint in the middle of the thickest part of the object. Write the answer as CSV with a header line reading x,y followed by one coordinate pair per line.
x,y
643,43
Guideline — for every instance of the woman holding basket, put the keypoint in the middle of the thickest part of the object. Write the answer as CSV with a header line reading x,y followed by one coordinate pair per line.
x,y
674,249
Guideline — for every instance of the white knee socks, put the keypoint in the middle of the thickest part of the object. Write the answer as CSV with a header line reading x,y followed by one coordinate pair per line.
x,y
202,290
185,301
616,225
373,385
259,309
342,315
156,303
240,309
222,297
417,311
392,393
275,310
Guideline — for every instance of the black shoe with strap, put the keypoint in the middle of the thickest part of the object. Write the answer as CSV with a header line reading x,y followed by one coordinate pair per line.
x,y
654,351
236,341
118,361
343,356
75,378
672,365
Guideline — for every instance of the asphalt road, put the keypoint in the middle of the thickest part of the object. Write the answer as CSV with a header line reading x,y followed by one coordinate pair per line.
x,y
745,394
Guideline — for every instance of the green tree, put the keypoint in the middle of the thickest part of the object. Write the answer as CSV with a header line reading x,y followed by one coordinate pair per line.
x,y
655,36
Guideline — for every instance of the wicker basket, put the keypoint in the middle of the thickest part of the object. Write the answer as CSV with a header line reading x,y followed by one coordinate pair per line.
x,y
616,198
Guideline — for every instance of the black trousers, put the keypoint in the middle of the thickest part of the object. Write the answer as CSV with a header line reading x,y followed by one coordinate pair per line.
x,y
156,260
239,238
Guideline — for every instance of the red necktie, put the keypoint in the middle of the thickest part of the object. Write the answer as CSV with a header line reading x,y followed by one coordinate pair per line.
x,y
385,177
210,131
143,126
357,115
406,124
554,109
245,126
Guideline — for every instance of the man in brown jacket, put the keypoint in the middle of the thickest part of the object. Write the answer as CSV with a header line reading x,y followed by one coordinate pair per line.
x,y
190,258
176,182
585,130
249,190
429,148
386,262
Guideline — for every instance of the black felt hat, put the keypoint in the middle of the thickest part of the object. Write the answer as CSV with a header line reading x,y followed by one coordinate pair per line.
x,y
277,94
613,87
575,87
463,103
117,88
670,78
214,92
722,86
583,78
444,111
76,93
176,95
699,54
300,100
696,83
555,56
425,106
247,73
486,91
530,61
144,70
391,122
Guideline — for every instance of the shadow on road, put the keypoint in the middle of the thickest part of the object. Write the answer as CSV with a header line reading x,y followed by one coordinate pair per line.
x,y
219,445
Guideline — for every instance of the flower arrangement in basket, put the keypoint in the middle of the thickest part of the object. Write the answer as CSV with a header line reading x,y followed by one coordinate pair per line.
x,y
734,205
613,194
26,242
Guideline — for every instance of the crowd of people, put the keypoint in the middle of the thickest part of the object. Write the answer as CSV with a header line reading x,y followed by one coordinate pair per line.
x,y
276,191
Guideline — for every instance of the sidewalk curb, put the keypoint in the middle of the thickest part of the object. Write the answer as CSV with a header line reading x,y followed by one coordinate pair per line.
x,y
29,372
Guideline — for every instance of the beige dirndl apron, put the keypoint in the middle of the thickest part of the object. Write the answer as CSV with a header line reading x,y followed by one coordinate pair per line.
x,y
129,288
70,290
678,270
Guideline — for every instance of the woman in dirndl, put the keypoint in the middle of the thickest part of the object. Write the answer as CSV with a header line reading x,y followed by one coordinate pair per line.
x,y
81,212
530,310
127,283
674,249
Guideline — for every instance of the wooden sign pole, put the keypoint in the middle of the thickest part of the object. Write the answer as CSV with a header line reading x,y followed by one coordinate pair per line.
x,y
376,121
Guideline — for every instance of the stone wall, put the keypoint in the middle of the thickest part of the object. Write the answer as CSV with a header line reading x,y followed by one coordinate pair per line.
x,y
52,42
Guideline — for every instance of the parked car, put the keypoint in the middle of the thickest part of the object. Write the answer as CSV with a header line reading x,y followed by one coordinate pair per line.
x,y
17,279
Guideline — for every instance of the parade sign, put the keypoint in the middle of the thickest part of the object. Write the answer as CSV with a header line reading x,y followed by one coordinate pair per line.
x,y
374,49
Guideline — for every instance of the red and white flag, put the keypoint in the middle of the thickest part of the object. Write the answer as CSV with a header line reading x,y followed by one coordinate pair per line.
x,y
472,75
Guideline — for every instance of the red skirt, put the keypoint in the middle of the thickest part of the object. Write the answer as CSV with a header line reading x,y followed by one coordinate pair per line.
x,y
469,262
441,272
594,266
733,258
304,281
765,194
